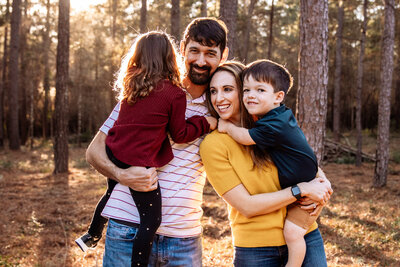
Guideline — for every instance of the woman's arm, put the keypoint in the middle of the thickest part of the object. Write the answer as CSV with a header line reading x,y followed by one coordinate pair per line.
x,y
253,205
137,178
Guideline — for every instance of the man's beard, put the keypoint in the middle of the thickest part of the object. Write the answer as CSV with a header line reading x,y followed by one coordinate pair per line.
x,y
199,78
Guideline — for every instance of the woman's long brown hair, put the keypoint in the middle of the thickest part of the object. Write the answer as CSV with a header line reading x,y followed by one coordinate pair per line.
x,y
151,58
260,157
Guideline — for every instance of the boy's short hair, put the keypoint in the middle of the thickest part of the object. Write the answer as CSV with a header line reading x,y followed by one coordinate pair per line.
x,y
268,71
206,31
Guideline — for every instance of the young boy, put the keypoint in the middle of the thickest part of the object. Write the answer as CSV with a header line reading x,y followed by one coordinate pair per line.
x,y
276,132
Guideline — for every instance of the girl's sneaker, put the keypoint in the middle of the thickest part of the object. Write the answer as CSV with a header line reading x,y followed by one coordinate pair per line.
x,y
87,241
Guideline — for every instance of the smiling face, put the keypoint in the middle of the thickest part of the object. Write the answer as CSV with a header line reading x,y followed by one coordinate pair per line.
x,y
259,97
201,61
224,95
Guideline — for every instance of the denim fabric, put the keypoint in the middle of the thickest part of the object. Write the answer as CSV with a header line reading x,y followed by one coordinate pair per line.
x,y
166,251
278,256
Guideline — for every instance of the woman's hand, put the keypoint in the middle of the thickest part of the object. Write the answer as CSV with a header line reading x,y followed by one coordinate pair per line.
x,y
318,190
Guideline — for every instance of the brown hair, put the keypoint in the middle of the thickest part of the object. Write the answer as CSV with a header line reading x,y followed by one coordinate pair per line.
x,y
151,58
260,157
207,31
268,71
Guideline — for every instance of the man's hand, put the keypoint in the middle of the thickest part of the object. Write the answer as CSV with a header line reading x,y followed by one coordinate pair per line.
x,y
223,126
138,178
213,122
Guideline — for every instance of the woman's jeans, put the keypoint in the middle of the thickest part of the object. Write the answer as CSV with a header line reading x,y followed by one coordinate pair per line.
x,y
278,256
166,251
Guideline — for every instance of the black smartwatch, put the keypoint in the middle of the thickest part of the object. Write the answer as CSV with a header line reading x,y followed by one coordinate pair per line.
x,y
296,192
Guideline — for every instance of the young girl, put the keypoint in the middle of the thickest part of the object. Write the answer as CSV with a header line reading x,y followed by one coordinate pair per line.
x,y
152,103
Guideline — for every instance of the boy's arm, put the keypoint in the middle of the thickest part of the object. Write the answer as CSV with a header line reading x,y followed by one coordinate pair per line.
x,y
239,134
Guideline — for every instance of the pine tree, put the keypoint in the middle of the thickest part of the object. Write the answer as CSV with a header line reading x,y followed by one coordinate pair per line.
x,y
382,145
61,102
313,72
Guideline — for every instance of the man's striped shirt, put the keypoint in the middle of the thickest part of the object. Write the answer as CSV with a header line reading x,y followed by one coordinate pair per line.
x,y
181,182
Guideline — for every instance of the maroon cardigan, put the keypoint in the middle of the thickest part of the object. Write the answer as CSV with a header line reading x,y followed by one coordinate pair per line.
x,y
139,135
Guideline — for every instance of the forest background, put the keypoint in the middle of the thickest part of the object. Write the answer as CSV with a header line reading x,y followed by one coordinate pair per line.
x,y
56,82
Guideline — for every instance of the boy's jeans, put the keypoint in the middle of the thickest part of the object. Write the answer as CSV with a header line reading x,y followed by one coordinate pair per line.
x,y
166,251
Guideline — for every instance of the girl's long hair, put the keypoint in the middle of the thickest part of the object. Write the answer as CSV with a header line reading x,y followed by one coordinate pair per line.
x,y
151,58
260,157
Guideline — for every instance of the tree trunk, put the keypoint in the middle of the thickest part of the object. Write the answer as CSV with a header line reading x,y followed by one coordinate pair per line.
x,y
248,29
271,24
204,8
79,116
31,130
338,74
228,13
24,59
61,104
175,19
13,75
360,73
313,72
382,151
143,17
114,7
3,83
46,75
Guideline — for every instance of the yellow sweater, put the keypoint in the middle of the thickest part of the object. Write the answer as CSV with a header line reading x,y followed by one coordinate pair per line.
x,y
227,165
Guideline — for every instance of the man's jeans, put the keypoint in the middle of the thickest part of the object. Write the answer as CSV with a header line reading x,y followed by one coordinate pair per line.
x,y
166,251
278,256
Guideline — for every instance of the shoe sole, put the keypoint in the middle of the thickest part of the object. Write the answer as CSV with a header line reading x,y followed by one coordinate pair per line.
x,y
81,244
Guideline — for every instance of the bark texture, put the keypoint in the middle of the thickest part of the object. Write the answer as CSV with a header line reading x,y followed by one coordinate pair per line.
x,y
313,72
338,73
360,73
248,29
204,8
386,77
13,75
228,13
143,17
61,104
175,19
46,75
270,35
3,83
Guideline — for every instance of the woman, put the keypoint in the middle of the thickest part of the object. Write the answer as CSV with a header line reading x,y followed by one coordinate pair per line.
x,y
256,203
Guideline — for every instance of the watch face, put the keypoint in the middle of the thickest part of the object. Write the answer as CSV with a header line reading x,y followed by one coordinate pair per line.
x,y
296,191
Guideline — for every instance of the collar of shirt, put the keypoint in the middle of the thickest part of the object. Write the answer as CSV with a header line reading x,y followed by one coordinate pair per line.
x,y
199,100
276,111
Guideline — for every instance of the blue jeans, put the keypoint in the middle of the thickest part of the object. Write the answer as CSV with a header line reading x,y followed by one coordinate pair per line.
x,y
278,256
166,251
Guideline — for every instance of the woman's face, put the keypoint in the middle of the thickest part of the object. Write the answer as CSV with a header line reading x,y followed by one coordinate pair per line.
x,y
225,96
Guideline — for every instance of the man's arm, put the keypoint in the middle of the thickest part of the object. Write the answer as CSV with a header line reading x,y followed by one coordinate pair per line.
x,y
239,134
137,178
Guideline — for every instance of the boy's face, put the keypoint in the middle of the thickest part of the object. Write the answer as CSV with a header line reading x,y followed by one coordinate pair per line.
x,y
259,97
200,61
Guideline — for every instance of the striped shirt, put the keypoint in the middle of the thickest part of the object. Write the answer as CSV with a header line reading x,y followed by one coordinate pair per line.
x,y
181,182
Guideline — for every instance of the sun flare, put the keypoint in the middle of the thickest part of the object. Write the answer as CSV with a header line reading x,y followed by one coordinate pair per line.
x,y
81,5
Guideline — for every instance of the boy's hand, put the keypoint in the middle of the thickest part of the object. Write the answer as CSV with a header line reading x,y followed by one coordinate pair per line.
x,y
223,126
213,122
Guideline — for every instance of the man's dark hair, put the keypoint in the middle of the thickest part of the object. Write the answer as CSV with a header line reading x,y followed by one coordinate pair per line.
x,y
207,31
268,71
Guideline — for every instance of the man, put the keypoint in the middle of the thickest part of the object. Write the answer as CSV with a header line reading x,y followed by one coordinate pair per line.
x,y
178,241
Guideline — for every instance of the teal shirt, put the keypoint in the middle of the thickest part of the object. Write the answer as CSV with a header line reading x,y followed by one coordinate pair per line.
x,y
279,134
